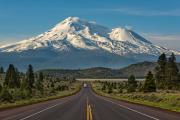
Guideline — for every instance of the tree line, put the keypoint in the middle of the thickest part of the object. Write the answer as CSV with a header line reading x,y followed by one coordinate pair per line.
x,y
166,76
19,84
167,73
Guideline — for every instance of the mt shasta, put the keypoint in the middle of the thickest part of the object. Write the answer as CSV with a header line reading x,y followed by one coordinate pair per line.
x,y
76,43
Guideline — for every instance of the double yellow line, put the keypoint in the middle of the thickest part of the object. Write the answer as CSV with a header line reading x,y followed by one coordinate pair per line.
x,y
89,111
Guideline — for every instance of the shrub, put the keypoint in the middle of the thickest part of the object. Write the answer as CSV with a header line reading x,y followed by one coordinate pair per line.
x,y
149,85
132,84
5,95
0,88
110,89
103,87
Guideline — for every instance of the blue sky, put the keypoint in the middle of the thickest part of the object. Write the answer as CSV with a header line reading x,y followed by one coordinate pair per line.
x,y
156,20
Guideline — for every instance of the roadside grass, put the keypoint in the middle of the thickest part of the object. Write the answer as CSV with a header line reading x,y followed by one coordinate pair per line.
x,y
162,99
74,88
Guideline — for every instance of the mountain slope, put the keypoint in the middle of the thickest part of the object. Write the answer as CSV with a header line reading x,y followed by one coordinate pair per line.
x,y
139,70
76,43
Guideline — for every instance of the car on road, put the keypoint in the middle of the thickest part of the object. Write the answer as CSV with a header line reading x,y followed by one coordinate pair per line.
x,y
85,85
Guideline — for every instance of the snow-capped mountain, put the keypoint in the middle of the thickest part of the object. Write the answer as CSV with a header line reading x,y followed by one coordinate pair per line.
x,y
78,40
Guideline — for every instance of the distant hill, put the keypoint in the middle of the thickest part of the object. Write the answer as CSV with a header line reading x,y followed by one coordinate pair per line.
x,y
138,69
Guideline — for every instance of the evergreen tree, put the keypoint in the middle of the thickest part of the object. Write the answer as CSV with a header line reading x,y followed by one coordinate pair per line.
x,y
120,87
149,85
18,77
39,82
132,84
11,79
0,88
24,84
30,76
25,89
52,86
41,76
161,71
140,87
179,77
1,70
171,72
114,85
110,89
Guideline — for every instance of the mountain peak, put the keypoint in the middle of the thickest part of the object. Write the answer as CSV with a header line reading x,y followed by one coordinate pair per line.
x,y
69,21
120,34
80,34
76,43
127,35
72,19
70,24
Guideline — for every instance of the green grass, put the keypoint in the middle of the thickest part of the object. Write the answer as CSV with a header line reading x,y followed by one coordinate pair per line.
x,y
75,87
162,99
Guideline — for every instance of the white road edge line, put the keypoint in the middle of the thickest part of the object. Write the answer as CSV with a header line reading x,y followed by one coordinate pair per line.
x,y
130,109
44,110
41,111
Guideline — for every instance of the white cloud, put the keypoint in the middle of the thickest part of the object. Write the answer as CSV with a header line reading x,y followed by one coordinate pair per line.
x,y
165,37
171,41
143,12
8,41
11,38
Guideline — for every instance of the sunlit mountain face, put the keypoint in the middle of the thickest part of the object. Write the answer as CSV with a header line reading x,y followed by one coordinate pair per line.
x,y
76,43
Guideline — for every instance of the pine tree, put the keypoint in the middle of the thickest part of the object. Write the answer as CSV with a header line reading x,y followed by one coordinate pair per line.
x,y
161,71
0,88
24,84
120,87
41,76
110,89
140,87
132,84
171,72
1,70
25,89
30,76
39,82
149,85
11,79
18,83
52,86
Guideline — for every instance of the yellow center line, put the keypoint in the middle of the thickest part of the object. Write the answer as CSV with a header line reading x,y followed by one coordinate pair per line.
x,y
87,114
89,111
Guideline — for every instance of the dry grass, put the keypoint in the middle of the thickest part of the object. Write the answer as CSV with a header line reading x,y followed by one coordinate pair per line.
x,y
74,88
161,99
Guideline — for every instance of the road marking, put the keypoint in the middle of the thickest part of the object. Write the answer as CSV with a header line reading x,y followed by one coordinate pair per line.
x,y
89,111
43,110
129,108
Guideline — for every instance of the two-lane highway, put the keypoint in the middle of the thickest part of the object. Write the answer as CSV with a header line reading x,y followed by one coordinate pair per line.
x,y
86,105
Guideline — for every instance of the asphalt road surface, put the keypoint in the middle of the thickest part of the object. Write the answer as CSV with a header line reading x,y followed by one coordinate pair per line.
x,y
86,105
